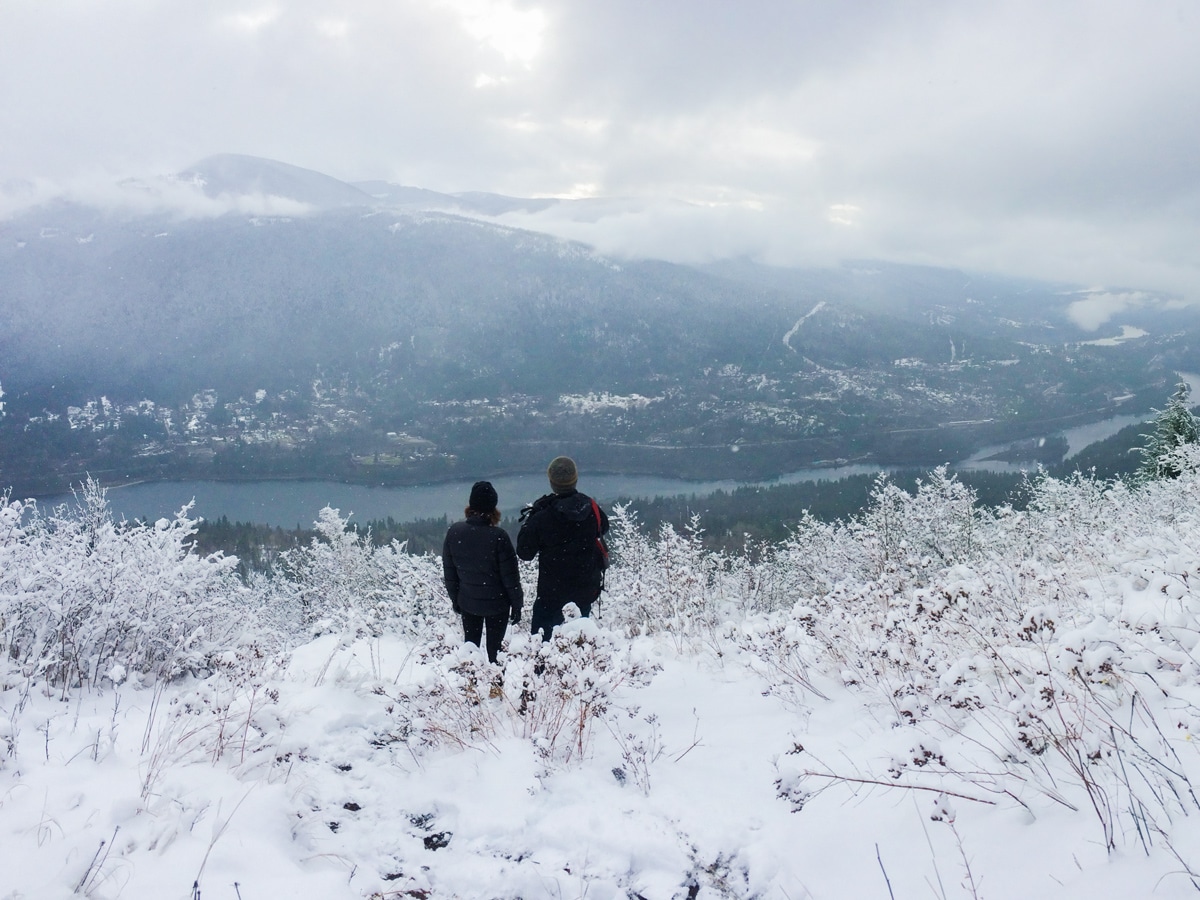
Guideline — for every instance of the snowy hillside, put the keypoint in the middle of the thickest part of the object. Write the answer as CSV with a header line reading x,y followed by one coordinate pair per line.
x,y
929,700
233,175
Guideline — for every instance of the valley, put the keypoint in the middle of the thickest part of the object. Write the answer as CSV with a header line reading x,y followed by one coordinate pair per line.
x,y
377,336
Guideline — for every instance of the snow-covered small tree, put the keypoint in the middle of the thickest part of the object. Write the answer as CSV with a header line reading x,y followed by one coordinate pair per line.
x,y
1174,427
937,525
668,582
339,582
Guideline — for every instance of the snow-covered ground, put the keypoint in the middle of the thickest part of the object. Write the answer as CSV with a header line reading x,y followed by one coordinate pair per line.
x,y
927,701
123,793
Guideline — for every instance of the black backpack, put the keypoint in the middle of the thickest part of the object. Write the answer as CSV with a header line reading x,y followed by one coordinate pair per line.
x,y
601,547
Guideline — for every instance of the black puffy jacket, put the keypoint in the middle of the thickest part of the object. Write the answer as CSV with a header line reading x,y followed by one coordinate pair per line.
x,y
562,528
480,569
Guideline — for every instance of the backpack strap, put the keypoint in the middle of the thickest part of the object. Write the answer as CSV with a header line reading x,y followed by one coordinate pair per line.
x,y
600,545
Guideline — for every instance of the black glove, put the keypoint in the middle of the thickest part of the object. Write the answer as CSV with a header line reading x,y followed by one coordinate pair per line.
x,y
516,617
454,606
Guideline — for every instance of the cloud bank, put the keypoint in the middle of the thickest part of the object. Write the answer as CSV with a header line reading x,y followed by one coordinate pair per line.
x,y
1055,140
178,198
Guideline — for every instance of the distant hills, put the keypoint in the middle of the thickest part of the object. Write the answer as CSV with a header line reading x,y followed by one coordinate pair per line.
x,y
413,305
234,175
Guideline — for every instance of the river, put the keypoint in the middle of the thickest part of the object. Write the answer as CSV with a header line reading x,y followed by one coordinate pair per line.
x,y
1077,438
291,504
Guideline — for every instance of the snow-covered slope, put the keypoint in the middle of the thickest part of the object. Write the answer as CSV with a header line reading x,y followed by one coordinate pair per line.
x,y
927,700
232,174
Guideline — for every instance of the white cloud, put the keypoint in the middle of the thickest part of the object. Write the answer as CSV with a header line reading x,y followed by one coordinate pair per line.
x,y
1042,139
844,213
251,22
1098,308
158,196
516,34
334,29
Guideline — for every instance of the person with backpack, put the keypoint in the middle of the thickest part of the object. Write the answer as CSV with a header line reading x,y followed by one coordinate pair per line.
x,y
565,530
480,571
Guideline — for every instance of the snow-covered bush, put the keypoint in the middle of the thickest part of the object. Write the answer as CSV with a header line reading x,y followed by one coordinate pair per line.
x,y
341,583
781,647
854,588
669,584
1050,657
84,598
894,544
550,693
815,558
900,535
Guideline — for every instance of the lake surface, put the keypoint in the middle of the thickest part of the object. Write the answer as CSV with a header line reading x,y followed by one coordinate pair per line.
x,y
296,503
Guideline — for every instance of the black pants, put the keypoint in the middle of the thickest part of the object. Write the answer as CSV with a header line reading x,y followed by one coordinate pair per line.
x,y
496,627
547,615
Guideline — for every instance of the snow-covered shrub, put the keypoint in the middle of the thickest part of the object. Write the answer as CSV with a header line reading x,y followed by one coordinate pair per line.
x,y
83,597
1050,657
341,583
558,690
230,715
891,546
935,526
782,648
814,559
668,584
550,693
854,588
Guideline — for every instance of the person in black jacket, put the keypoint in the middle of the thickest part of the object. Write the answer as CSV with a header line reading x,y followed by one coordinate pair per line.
x,y
480,571
562,529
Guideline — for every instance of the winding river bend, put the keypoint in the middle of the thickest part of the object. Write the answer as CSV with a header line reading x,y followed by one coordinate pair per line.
x,y
291,504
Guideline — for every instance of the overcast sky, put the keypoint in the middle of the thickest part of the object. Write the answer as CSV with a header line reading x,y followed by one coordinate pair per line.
x,y
1056,138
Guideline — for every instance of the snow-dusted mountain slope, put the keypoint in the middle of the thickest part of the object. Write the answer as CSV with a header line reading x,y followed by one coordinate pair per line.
x,y
233,175
926,699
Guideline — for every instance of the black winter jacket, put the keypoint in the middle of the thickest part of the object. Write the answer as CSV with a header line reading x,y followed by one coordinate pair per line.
x,y
562,528
480,569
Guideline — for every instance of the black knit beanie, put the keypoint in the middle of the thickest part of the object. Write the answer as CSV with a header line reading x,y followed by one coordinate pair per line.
x,y
483,497
563,474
